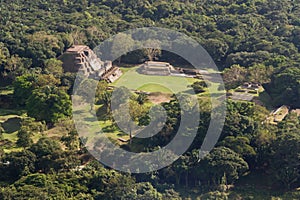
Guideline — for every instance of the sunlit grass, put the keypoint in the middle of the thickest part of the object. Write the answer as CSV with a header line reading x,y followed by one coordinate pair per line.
x,y
10,136
133,80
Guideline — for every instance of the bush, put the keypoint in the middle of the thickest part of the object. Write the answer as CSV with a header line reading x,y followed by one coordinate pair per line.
x,y
216,195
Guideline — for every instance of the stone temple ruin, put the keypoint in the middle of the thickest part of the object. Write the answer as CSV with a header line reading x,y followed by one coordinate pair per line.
x,y
157,68
166,69
82,58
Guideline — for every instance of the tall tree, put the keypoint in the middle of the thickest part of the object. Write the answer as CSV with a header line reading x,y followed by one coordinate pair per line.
x,y
222,162
54,66
284,159
49,104
152,49
122,43
234,76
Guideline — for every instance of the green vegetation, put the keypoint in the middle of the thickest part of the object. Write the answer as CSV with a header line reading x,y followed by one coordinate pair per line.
x,y
168,84
152,87
41,155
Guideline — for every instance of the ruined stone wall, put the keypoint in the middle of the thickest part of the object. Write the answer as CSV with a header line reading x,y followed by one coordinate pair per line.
x,y
82,58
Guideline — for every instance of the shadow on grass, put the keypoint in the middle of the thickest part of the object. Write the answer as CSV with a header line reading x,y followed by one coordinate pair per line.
x,y
122,134
109,129
12,125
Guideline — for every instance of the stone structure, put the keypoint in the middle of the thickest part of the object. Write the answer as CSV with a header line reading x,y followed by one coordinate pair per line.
x,y
166,69
297,111
251,86
189,72
82,58
280,113
157,68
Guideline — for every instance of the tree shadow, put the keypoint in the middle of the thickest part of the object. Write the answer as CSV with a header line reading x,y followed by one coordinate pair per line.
x,y
12,125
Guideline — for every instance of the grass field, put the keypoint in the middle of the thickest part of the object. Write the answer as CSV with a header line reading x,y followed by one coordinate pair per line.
x,y
10,120
165,84
100,127
10,123
151,87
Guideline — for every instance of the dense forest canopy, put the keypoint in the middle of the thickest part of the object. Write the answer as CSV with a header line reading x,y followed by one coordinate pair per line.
x,y
243,32
249,40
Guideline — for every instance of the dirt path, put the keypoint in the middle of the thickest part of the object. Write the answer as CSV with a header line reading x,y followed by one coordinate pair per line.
x,y
158,98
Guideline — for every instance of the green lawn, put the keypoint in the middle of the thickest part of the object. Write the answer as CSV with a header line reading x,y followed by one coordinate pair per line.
x,y
151,87
166,84
10,121
11,136
102,126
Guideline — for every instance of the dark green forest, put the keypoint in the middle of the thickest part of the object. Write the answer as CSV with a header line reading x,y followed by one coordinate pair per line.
x,y
249,40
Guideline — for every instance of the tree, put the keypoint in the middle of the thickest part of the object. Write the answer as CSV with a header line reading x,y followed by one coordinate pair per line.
x,y
25,84
239,120
49,104
216,48
45,147
222,162
290,124
28,128
247,59
199,86
234,76
1,132
4,54
183,165
171,194
146,191
42,46
54,66
101,89
152,49
284,158
142,98
71,140
110,184
16,66
120,96
240,145
87,91
260,73
24,138
123,119
121,43
23,87
20,164
46,80
106,99
284,87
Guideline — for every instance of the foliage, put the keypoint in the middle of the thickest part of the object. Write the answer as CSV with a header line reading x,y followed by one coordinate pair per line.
x,y
284,87
284,158
222,163
253,41
199,86
49,104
